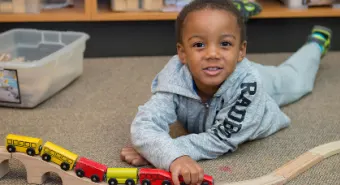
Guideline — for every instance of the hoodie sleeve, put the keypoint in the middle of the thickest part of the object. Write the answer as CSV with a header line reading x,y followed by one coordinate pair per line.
x,y
150,131
249,114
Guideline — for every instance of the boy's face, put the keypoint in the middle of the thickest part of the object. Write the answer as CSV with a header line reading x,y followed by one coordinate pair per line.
x,y
211,46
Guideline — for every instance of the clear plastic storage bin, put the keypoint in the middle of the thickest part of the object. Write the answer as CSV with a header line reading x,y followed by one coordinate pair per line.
x,y
36,64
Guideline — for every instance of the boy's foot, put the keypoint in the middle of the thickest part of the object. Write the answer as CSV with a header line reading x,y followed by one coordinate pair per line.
x,y
247,8
131,156
321,35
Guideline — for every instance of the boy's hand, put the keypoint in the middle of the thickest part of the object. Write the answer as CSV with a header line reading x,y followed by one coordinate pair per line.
x,y
131,156
191,172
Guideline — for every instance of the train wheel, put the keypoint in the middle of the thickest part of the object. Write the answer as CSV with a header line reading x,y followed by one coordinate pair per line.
x,y
113,181
80,173
46,157
65,166
10,148
205,183
30,152
129,182
94,178
166,182
146,182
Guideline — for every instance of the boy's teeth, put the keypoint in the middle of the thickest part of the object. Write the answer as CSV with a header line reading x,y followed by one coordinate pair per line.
x,y
212,68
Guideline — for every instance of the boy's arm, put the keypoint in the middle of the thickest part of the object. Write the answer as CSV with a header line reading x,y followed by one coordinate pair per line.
x,y
150,131
251,115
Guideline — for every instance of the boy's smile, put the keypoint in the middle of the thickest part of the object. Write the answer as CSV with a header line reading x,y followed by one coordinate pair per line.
x,y
213,70
211,47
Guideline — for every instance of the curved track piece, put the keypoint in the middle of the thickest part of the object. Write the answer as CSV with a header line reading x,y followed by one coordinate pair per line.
x,y
4,163
293,168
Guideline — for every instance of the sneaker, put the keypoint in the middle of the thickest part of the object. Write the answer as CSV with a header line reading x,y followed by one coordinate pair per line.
x,y
321,35
247,8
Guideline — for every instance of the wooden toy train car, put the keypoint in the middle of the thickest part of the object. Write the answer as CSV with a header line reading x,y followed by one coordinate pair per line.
x,y
84,167
29,145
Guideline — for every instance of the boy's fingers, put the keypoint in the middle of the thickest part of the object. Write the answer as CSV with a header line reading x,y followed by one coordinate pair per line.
x,y
129,150
194,175
131,157
122,157
185,172
175,174
139,161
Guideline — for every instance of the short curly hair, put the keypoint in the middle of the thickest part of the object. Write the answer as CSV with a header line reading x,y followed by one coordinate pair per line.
x,y
195,5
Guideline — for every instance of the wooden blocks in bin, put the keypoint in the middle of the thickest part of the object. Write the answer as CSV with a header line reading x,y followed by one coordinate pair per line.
x,y
6,7
26,6
136,5
153,5
125,5
20,6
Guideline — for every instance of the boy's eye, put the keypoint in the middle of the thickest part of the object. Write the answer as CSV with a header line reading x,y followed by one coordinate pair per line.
x,y
198,44
226,44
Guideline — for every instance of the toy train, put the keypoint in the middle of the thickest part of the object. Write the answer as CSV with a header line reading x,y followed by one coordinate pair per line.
x,y
84,167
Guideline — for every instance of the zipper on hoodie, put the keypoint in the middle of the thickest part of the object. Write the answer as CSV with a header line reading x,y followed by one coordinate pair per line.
x,y
206,112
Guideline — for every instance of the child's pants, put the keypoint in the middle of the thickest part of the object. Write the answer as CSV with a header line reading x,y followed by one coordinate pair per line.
x,y
294,78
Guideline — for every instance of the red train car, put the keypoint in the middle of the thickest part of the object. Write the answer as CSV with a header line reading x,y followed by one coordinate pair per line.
x,y
90,169
150,176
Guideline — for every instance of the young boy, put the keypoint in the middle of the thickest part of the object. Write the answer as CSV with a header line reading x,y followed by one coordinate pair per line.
x,y
220,97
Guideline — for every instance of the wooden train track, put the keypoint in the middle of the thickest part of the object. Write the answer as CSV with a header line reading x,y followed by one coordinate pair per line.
x,y
37,169
293,168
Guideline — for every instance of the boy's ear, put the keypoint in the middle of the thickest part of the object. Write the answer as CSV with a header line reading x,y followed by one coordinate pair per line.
x,y
181,53
243,51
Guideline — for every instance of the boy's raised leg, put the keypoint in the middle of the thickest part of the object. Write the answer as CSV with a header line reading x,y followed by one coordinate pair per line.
x,y
295,77
248,8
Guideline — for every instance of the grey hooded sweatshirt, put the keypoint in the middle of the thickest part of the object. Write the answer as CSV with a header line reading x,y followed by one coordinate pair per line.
x,y
239,111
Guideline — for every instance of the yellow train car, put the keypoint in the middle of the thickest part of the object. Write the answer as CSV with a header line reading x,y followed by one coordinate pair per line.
x,y
127,176
19,143
58,155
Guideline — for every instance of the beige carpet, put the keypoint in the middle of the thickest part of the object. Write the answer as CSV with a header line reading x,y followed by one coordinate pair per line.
x,y
91,117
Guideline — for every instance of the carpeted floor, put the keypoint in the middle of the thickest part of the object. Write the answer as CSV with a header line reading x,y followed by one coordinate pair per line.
x,y
91,117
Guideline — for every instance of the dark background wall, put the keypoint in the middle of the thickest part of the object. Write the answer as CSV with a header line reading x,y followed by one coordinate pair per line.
x,y
152,38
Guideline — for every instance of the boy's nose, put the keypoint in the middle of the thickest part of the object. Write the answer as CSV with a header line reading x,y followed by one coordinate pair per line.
x,y
212,52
